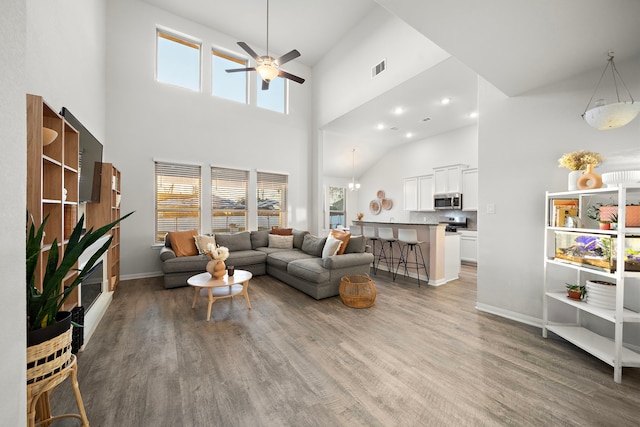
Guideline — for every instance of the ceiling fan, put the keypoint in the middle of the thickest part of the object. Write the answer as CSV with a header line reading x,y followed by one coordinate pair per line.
x,y
267,66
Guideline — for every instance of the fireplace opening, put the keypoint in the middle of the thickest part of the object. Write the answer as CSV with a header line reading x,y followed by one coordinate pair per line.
x,y
91,286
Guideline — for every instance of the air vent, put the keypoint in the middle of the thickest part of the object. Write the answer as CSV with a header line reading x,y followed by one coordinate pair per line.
x,y
426,119
394,128
379,68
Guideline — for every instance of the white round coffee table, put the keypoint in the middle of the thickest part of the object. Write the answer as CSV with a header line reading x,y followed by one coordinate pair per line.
x,y
226,287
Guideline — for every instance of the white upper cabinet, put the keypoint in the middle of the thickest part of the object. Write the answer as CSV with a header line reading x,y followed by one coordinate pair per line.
x,y
470,190
448,179
411,194
425,193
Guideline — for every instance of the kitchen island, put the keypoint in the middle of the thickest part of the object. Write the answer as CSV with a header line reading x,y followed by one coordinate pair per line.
x,y
441,249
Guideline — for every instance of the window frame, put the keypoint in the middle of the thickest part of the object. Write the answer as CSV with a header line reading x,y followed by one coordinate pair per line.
x,y
182,39
242,63
229,175
269,181
172,169
285,94
330,202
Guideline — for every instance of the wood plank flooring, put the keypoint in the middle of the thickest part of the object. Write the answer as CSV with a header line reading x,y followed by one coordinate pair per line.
x,y
419,357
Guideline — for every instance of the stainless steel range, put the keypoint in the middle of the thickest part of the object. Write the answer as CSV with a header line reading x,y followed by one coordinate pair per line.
x,y
454,222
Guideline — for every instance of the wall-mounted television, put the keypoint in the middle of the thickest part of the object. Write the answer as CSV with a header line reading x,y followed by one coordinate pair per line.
x,y
89,162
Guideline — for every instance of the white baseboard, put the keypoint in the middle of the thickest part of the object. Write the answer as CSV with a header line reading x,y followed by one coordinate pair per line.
x,y
141,275
512,315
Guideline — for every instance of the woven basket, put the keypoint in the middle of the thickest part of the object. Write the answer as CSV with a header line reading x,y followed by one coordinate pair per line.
x,y
358,291
46,359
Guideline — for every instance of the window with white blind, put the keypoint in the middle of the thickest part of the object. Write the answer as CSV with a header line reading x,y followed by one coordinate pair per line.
x,y
229,191
178,190
272,200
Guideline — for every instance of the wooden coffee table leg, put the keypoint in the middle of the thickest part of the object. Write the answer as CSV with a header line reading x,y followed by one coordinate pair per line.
x,y
211,301
195,296
245,289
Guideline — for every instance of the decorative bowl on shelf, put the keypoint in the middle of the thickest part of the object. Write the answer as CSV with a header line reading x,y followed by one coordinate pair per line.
x,y
48,136
601,294
611,179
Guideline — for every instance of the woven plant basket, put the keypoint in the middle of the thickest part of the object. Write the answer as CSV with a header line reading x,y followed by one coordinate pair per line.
x,y
358,291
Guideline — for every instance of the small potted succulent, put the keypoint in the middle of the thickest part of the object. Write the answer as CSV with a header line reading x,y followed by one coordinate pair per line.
x,y
576,292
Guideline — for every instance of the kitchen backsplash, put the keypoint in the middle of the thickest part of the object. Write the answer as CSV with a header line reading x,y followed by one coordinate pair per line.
x,y
435,217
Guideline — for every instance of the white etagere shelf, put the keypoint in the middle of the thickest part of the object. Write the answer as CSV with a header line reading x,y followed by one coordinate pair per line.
x,y
611,350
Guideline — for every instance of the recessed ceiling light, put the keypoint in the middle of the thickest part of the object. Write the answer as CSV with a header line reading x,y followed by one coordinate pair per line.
x,y
398,110
445,101
473,115
409,135
380,126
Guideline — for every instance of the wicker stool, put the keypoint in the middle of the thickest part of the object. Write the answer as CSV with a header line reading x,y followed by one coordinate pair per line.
x,y
357,291
48,365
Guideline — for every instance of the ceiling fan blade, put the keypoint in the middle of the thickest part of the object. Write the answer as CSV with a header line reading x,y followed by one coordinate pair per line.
x,y
249,51
290,76
287,57
265,85
235,70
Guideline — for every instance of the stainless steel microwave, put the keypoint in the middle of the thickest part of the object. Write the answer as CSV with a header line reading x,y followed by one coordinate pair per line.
x,y
447,201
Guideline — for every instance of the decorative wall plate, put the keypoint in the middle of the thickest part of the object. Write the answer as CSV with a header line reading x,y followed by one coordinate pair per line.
x,y
374,207
387,204
380,194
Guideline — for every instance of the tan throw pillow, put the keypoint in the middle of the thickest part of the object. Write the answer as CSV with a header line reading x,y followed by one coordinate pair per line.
x,y
344,237
280,242
282,231
183,243
203,241
331,247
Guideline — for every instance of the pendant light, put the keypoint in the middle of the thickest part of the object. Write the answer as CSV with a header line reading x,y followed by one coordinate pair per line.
x,y
604,116
353,185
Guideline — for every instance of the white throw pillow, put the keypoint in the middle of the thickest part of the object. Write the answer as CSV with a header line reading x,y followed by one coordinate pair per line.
x,y
203,241
331,247
280,242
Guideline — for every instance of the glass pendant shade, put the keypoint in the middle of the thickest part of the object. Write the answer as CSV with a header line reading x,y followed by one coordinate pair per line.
x,y
268,72
611,116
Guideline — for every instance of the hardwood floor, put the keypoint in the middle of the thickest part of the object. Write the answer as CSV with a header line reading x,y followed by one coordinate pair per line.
x,y
419,357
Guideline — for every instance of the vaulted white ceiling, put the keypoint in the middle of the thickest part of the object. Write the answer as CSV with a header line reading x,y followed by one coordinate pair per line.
x,y
517,45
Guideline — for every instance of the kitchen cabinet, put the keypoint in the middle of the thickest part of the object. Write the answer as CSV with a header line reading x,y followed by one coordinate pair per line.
x,y
468,246
574,320
448,179
470,189
411,194
425,193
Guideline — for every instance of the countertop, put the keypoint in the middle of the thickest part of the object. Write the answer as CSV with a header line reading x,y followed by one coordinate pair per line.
x,y
395,223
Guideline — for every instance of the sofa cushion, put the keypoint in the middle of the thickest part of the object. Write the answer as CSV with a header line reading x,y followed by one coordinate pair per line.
x,y
281,258
280,241
342,236
310,269
298,238
259,239
195,264
202,241
235,241
357,245
331,247
183,243
282,231
241,258
313,245
347,261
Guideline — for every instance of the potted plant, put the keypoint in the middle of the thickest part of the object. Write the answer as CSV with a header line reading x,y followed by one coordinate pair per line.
x,y
593,212
576,292
45,303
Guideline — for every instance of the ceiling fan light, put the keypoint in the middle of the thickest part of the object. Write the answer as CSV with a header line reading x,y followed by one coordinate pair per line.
x,y
611,116
267,72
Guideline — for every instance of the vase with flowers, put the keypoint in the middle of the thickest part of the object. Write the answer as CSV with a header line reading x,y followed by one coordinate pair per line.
x,y
581,164
218,254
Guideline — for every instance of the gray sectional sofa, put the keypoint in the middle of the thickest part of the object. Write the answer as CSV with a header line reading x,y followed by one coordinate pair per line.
x,y
301,267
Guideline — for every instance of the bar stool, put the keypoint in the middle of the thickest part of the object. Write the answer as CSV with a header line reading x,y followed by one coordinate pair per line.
x,y
370,234
408,238
386,237
355,230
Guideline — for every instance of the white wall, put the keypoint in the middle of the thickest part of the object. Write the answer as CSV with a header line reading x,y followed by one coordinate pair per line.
x,y
148,120
413,159
13,164
520,141
66,61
